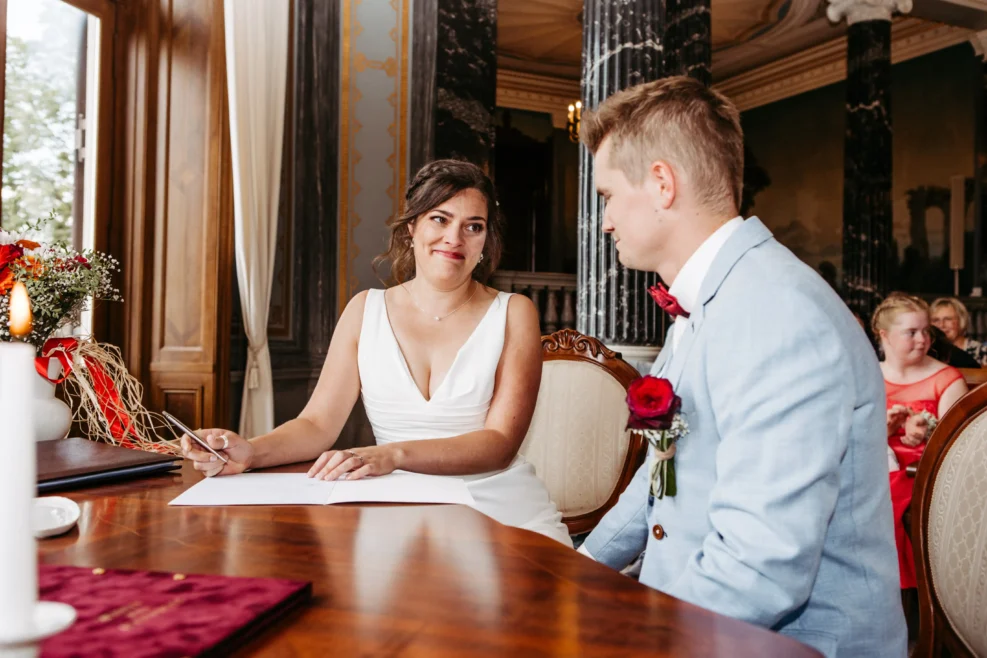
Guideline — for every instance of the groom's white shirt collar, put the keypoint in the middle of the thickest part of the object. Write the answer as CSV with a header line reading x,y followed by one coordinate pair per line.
x,y
687,284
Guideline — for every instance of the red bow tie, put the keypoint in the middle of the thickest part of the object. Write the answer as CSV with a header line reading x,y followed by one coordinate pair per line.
x,y
667,302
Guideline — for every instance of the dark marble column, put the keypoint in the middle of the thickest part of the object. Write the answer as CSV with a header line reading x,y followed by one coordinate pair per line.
x,y
867,216
688,39
465,79
622,46
454,81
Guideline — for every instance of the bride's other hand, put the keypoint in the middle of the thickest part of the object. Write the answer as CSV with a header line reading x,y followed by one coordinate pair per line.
x,y
354,464
238,451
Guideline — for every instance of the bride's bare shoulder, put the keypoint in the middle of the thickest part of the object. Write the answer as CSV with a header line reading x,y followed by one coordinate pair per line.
x,y
352,316
521,313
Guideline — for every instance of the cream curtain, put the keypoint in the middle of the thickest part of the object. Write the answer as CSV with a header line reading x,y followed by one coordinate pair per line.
x,y
256,60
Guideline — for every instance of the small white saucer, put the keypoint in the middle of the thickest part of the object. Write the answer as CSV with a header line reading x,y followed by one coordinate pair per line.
x,y
49,618
53,515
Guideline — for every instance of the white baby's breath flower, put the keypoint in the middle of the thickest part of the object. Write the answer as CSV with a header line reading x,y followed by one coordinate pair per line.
x,y
679,427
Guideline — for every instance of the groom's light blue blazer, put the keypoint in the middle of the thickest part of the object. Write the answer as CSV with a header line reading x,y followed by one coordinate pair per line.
x,y
783,513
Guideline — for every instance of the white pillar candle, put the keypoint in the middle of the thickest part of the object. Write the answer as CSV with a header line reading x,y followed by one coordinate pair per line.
x,y
18,476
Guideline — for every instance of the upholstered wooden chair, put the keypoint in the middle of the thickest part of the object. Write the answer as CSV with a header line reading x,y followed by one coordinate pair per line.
x,y
949,532
973,377
577,441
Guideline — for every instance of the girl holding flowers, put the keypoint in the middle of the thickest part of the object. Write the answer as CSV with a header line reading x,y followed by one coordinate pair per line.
x,y
919,391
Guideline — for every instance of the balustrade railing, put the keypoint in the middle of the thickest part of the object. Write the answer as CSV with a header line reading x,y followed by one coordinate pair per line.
x,y
554,295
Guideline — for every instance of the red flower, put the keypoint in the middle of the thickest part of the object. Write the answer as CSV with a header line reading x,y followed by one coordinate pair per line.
x,y
9,253
652,403
6,280
81,260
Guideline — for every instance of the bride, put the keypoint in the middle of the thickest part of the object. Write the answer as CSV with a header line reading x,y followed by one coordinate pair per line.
x,y
448,368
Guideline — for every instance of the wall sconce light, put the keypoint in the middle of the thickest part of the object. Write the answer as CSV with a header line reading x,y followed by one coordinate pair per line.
x,y
572,121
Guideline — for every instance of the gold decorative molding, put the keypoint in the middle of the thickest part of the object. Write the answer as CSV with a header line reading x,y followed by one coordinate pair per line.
x,y
355,139
804,71
345,198
536,93
826,63
979,42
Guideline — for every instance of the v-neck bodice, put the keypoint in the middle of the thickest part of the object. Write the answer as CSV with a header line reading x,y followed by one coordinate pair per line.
x,y
395,406
455,361
398,411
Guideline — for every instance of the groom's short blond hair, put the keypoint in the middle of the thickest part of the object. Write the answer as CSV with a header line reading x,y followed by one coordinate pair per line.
x,y
680,121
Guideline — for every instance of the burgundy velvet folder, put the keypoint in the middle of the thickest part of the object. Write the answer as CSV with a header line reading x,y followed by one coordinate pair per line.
x,y
140,614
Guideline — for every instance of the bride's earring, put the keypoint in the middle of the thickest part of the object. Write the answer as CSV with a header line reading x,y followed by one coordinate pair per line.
x,y
481,259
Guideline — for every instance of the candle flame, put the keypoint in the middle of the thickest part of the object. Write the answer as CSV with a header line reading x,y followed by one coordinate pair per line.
x,y
20,311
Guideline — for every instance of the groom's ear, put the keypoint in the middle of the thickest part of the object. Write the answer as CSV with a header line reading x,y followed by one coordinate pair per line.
x,y
663,183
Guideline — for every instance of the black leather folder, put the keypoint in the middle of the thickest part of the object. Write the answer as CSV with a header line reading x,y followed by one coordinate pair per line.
x,y
71,463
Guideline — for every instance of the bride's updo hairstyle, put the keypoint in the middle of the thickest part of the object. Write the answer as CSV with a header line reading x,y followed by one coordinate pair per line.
x,y
433,185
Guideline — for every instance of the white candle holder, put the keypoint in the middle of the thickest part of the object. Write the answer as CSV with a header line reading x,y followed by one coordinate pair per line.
x,y
50,618
24,620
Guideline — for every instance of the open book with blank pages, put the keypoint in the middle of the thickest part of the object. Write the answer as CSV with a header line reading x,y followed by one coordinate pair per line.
x,y
299,489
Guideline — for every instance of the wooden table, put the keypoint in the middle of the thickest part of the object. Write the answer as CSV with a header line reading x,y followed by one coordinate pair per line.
x,y
393,580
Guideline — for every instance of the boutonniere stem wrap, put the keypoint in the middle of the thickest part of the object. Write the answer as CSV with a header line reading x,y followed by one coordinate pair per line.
x,y
654,414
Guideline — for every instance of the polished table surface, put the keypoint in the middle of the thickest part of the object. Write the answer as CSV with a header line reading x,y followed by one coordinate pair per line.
x,y
402,580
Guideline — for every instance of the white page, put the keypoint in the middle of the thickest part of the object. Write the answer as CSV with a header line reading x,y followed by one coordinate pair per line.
x,y
257,489
402,487
299,489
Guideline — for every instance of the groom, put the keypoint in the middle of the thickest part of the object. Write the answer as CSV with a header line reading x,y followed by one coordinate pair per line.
x,y
782,517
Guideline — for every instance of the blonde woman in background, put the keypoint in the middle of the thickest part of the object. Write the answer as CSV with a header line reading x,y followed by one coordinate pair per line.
x,y
950,315
920,390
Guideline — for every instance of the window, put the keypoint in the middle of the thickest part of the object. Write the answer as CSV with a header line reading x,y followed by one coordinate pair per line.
x,y
50,111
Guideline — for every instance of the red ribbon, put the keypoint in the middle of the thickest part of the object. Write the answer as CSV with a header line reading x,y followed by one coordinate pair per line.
x,y
107,395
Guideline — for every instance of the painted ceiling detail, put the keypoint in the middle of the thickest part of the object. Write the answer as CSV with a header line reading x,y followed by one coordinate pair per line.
x,y
545,36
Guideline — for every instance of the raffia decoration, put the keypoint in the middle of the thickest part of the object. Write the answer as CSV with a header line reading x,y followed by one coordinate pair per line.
x,y
144,429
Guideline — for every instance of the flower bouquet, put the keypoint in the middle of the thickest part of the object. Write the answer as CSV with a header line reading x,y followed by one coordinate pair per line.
x,y
60,283
654,414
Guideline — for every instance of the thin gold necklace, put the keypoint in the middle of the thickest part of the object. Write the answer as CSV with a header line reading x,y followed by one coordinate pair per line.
x,y
437,318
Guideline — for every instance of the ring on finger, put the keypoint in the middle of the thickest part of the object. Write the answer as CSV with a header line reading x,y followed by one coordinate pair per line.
x,y
226,442
354,454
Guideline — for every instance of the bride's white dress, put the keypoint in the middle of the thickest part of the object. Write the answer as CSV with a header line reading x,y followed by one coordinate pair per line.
x,y
398,411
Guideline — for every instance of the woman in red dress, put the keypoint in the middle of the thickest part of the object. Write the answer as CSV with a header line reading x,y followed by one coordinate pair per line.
x,y
919,391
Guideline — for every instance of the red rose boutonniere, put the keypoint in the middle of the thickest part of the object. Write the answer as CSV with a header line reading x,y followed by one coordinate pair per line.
x,y
654,413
